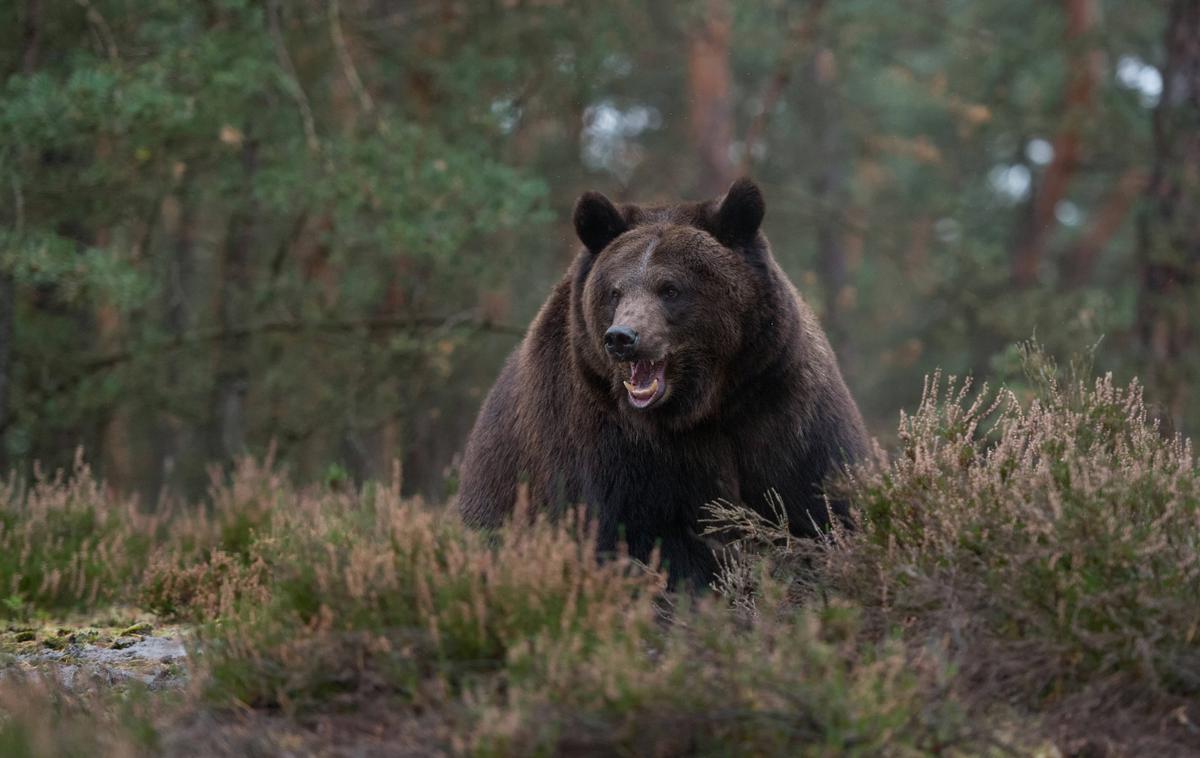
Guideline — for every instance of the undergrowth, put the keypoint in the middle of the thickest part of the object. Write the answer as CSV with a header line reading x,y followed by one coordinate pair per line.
x,y
1024,573
1050,543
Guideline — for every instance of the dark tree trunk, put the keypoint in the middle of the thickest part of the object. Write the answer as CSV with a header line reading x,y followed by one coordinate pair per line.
x,y
8,294
234,296
32,36
830,188
174,434
31,33
1169,235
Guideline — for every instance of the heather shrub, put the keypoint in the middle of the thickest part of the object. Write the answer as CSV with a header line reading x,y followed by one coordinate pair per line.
x,y
1052,544
1069,528
39,716
66,543
210,556
383,592
799,683
531,645
1025,566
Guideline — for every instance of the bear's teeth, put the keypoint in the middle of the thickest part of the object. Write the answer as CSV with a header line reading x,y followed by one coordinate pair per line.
x,y
642,394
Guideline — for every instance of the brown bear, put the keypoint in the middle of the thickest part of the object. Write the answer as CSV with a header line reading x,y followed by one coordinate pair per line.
x,y
673,365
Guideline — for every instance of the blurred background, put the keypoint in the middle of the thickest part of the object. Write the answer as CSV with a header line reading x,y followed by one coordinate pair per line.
x,y
318,226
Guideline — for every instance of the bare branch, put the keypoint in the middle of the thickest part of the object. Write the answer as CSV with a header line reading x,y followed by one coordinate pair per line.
x,y
365,102
102,28
297,91
802,35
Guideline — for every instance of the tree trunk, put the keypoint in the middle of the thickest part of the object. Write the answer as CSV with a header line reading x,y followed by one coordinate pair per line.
x,y
1169,236
234,296
801,34
7,332
829,184
115,453
1121,200
31,33
710,83
32,36
174,435
1083,63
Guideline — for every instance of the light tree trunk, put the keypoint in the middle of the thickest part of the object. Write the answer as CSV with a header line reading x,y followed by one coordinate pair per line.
x,y
1083,65
1080,262
115,453
710,85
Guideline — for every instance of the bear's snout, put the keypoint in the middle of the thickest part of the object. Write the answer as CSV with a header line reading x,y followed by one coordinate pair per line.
x,y
621,342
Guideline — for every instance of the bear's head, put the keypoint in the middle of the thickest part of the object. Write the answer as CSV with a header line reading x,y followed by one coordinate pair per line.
x,y
668,299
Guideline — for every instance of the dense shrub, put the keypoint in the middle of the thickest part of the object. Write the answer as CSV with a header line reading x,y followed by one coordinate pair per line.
x,y
67,543
1025,567
1066,529
535,646
1051,545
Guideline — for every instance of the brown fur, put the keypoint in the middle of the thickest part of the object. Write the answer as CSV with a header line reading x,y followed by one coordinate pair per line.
x,y
755,400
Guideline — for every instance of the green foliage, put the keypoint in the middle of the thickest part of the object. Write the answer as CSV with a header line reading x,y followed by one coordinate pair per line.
x,y
153,195
322,224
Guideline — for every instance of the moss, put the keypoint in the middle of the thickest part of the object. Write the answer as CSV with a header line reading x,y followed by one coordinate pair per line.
x,y
140,629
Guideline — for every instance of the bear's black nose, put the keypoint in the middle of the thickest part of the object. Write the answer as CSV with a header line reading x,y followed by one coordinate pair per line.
x,y
620,342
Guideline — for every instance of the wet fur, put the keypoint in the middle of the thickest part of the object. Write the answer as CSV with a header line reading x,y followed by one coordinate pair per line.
x,y
757,401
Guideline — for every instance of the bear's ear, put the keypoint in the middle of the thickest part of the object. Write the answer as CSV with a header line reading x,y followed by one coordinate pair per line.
x,y
740,214
597,221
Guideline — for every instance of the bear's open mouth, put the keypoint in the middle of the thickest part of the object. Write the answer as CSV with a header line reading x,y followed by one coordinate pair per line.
x,y
647,382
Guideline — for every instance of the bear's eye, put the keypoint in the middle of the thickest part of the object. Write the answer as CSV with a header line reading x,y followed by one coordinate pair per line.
x,y
615,294
669,292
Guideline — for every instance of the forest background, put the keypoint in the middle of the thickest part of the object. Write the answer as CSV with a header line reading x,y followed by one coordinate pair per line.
x,y
317,227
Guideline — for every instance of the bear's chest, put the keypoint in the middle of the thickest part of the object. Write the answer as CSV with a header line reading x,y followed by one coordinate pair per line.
x,y
650,495
660,482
